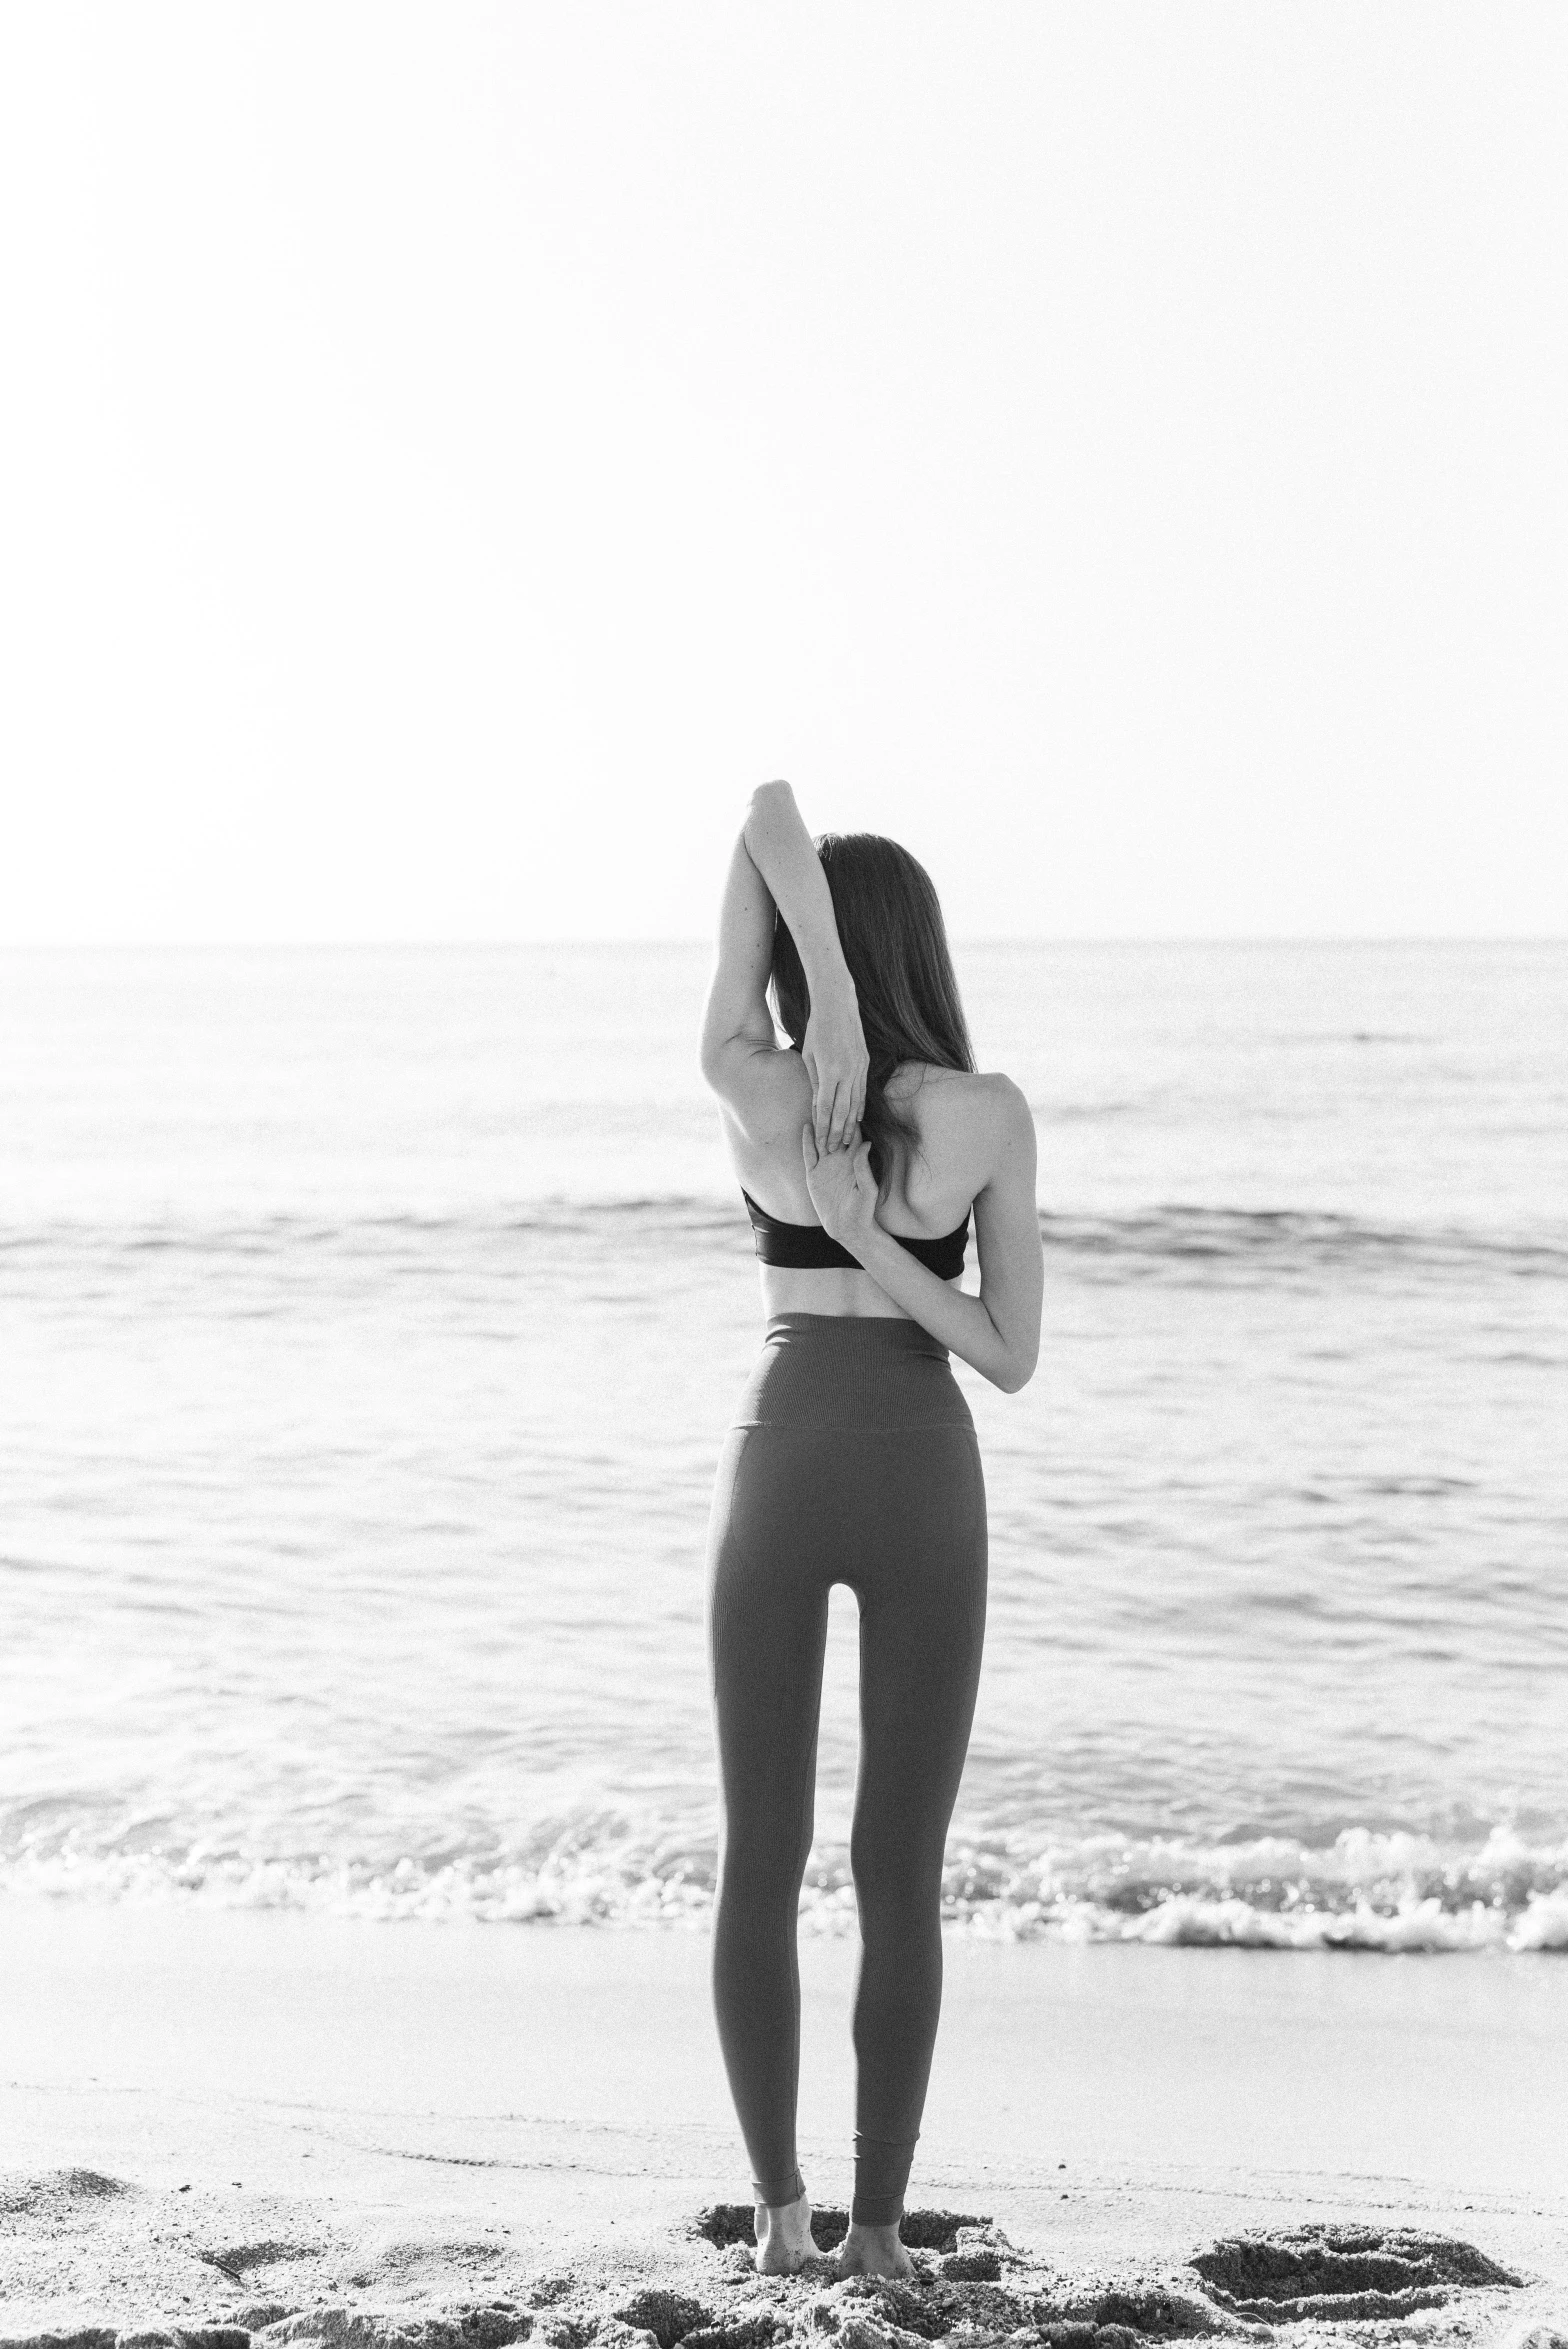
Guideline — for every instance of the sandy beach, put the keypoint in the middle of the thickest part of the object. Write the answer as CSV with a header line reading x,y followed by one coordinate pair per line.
x,y
320,2129
598,595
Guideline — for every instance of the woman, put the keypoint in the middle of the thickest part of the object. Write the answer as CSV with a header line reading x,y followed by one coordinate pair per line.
x,y
861,1149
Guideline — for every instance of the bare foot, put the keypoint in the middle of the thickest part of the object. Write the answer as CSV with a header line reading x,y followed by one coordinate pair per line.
x,y
873,2251
784,2239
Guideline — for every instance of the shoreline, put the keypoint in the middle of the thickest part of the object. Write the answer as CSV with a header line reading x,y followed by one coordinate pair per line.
x,y
510,2101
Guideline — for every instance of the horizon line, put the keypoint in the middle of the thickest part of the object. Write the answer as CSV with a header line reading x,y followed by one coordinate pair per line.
x,y
683,944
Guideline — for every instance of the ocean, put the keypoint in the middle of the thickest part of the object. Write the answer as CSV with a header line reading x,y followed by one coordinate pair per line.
x,y
370,1320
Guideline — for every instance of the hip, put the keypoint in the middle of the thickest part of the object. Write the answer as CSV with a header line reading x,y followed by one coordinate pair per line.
x,y
849,1375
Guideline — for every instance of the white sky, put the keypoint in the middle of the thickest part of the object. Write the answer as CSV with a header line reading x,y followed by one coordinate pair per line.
x,y
447,455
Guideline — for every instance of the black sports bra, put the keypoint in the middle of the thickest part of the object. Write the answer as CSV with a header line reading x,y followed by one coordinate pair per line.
x,y
806,1247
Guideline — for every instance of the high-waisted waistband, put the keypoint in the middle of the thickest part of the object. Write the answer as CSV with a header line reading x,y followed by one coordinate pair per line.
x,y
849,1370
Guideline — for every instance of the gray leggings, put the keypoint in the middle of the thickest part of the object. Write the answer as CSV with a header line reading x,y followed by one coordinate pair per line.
x,y
852,1459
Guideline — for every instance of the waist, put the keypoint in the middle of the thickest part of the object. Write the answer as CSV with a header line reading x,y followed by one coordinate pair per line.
x,y
851,1371
787,1290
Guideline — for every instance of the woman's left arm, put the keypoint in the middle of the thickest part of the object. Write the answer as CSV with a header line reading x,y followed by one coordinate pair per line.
x,y
998,1332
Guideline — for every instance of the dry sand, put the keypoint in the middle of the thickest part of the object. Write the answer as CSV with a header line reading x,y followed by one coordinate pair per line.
x,y
322,2130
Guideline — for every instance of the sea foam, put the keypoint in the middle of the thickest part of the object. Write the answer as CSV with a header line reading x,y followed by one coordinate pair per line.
x,y
1367,1892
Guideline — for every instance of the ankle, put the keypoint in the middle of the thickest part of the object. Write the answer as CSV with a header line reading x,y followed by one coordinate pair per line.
x,y
873,2251
776,2214
785,2244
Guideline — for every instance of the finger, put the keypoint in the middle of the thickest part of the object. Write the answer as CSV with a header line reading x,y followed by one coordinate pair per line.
x,y
851,1130
846,1116
808,1147
824,1113
842,1120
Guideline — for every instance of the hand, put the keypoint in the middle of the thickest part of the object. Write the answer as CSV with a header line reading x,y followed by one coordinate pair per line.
x,y
842,1186
836,1061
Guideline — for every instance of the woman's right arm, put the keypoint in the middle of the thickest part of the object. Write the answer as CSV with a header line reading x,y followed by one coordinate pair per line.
x,y
998,1332
775,863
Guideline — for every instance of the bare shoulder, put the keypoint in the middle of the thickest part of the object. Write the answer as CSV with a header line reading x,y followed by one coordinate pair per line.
x,y
1009,1107
1005,1102
1006,1122
959,1097
764,1094
981,1119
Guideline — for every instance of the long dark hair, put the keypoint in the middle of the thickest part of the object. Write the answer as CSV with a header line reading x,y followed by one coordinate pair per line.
x,y
895,943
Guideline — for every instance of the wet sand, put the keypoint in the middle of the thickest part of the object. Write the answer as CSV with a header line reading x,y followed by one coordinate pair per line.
x,y
242,2119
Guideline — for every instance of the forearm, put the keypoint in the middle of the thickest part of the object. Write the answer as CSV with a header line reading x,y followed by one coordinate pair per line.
x,y
961,1323
781,849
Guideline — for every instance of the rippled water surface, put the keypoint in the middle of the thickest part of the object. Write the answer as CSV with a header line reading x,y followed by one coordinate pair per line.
x,y
371,1322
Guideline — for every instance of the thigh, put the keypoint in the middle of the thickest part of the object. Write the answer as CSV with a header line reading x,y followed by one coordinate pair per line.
x,y
922,1586
767,1628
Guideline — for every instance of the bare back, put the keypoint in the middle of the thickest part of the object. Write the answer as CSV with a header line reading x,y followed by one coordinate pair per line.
x,y
930,1191
975,1136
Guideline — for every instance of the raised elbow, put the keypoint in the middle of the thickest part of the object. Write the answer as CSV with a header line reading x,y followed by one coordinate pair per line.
x,y
761,807
1013,1376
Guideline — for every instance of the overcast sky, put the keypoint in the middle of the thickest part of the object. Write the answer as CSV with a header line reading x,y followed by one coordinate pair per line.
x,y
449,454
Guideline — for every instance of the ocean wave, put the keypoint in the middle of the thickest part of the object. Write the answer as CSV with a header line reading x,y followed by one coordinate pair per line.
x,y
280,1233
1284,1238
1176,1237
1369,1891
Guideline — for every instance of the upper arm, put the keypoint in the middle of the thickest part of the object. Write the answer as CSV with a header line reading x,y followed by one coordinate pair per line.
x,y
1007,1227
739,1049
